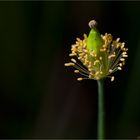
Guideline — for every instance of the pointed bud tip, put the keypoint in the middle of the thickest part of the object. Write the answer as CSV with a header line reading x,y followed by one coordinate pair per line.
x,y
92,24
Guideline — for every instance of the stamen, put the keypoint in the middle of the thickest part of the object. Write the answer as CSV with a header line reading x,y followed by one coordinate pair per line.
x,y
78,39
81,71
112,78
102,49
85,36
115,69
90,69
118,39
90,76
110,70
122,45
72,54
116,60
122,59
74,48
119,68
97,78
101,72
97,73
111,56
79,79
83,74
120,64
76,71
85,50
93,54
125,55
100,58
73,60
95,62
82,68
69,64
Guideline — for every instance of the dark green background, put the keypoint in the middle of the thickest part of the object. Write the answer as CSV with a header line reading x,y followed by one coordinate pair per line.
x,y
39,97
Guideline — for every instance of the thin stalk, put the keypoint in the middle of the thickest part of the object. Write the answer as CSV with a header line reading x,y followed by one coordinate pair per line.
x,y
101,110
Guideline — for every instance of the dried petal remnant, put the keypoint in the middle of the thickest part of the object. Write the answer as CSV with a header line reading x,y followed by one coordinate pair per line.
x,y
92,23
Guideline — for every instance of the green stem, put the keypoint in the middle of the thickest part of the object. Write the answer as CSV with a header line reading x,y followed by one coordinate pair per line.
x,y
101,111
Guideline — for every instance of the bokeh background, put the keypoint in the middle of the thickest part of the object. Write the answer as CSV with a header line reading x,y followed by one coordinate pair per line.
x,y
39,97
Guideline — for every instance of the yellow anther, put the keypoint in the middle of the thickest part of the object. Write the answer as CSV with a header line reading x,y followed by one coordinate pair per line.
x,y
122,45
119,68
110,70
72,54
120,64
78,39
118,39
111,56
97,73
79,57
95,62
84,45
69,64
101,72
126,49
97,78
109,38
90,69
90,76
125,55
118,45
100,58
85,36
76,71
81,54
79,79
73,60
85,51
86,56
73,46
112,78
104,46
122,59
102,49
86,62
74,49
93,54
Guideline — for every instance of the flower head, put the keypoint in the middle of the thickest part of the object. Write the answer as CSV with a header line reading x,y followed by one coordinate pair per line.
x,y
99,56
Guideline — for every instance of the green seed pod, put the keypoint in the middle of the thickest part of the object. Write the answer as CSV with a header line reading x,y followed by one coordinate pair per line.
x,y
94,40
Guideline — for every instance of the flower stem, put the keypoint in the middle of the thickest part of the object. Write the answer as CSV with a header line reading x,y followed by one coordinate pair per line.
x,y
101,111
